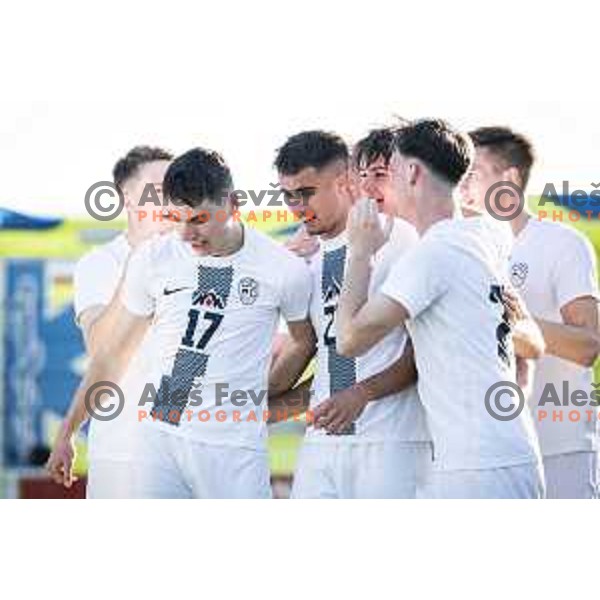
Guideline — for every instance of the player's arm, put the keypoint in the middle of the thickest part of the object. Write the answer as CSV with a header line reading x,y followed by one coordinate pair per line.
x,y
131,317
574,282
301,341
362,322
291,361
107,365
98,321
95,320
577,338
528,339
339,411
292,402
527,335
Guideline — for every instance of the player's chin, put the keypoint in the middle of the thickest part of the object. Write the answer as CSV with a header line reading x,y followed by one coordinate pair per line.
x,y
312,225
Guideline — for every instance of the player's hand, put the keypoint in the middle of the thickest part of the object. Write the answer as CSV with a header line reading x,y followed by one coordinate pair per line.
x,y
524,374
302,244
337,413
62,458
514,305
365,232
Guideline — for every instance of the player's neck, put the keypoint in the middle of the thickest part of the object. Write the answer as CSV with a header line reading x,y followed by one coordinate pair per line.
x,y
520,222
336,230
409,214
437,207
232,241
135,233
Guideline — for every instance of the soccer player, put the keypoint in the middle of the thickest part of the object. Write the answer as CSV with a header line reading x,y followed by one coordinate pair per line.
x,y
372,156
214,292
98,285
448,291
370,439
554,268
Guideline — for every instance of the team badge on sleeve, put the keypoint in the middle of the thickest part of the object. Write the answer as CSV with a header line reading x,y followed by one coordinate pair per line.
x,y
248,290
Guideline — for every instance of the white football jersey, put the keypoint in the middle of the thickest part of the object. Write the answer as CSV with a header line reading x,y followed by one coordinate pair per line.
x,y
551,265
97,276
399,416
213,321
451,285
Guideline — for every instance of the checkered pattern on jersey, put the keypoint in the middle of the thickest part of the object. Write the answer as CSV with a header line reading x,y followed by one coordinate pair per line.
x,y
172,396
214,287
212,294
342,369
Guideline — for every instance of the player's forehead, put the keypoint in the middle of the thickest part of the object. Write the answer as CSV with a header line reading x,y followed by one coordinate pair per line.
x,y
306,178
376,165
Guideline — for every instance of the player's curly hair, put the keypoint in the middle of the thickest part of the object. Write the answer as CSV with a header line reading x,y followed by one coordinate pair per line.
x,y
444,150
317,149
510,148
129,165
197,176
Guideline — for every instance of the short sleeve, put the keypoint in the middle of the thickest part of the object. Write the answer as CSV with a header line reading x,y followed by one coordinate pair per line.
x,y
95,280
137,296
575,273
418,278
296,291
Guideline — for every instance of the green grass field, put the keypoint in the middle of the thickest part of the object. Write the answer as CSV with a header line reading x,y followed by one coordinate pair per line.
x,y
68,241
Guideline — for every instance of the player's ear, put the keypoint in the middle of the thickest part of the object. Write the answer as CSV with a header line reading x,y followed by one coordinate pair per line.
x,y
512,174
234,203
414,172
129,205
352,188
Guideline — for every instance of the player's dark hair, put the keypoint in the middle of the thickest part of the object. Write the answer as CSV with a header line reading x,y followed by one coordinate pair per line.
x,y
317,149
443,149
197,176
379,143
129,165
512,149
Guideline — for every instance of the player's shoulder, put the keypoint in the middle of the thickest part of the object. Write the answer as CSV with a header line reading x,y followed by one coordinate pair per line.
x,y
160,248
559,235
273,252
403,238
110,255
403,231
478,238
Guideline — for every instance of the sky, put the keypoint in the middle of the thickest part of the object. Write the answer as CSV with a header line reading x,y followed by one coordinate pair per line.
x,y
76,100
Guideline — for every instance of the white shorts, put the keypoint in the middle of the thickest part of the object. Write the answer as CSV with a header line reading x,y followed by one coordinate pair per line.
x,y
521,481
172,466
572,475
330,469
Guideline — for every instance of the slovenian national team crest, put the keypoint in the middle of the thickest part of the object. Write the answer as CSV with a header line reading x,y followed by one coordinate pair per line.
x,y
518,274
248,290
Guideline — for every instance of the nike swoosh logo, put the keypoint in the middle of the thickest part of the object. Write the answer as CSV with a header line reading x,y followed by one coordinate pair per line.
x,y
166,292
